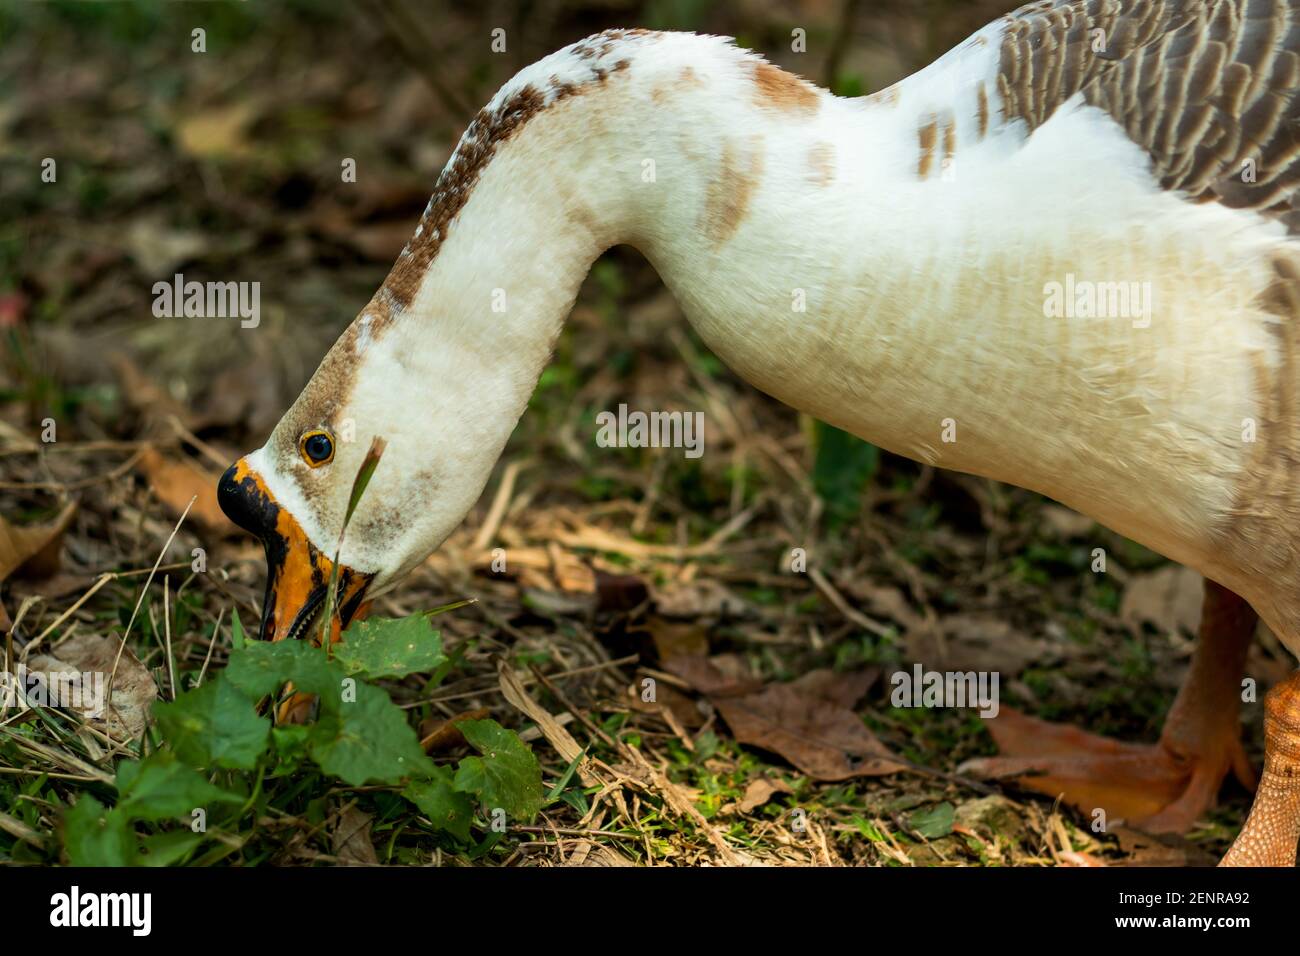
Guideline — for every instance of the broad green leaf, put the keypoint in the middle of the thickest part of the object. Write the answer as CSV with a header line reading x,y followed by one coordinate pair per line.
x,y
391,647
160,787
214,725
96,836
291,742
842,469
933,822
447,808
506,776
165,849
262,667
366,741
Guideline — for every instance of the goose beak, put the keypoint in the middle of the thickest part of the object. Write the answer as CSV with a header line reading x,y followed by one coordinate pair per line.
x,y
297,573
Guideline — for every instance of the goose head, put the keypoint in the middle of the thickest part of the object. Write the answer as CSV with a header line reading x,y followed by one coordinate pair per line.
x,y
293,492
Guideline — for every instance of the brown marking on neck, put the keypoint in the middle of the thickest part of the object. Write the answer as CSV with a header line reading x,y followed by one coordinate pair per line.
x,y
927,136
729,195
485,135
777,89
982,111
949,142
886,97
821,163
687,80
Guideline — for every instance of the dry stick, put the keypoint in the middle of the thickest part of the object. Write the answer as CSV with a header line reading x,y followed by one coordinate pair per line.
x,y
211,645
841,605
499,504
210,453
666,787
111,475
103,579
526,681
167,635
140,600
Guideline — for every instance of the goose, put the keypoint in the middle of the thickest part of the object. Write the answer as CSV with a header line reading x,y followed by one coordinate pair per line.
x,y
1062,256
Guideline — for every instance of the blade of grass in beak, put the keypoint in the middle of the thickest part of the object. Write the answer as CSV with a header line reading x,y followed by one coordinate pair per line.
x,y
364,474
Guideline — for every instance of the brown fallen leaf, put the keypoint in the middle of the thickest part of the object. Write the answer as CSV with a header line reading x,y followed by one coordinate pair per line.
x,y
808,722
593,854
818,736
710,676
677,639
438,734
217,131
845,689
760,791
133,689
1146,849
176,481
153,403
350,841
33,549
703,597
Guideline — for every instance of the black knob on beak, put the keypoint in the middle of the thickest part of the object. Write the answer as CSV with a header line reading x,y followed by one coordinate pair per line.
x,y
245,502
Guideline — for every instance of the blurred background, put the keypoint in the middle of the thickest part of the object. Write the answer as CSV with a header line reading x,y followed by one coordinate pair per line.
x,y
225,165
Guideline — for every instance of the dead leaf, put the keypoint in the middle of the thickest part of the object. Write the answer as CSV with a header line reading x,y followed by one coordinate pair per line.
x,y
593,854
709,676
33,549
619,592
1147,849
760,791
1169,599
438,735
677,640
844,689
216,132
176,481
981,642
147,398
350,840
559,738
160,250
703,597
818,736
133,687
808,722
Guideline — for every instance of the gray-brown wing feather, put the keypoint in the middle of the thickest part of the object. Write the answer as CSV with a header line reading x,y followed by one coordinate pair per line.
x,y
1207,87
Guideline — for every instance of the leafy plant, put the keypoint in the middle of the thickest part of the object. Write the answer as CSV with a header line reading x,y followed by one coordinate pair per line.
x,y
214,751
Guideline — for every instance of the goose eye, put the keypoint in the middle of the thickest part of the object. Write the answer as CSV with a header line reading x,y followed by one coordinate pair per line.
x,y
317,447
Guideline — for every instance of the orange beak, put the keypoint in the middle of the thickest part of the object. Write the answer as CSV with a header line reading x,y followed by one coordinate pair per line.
x,y
297,573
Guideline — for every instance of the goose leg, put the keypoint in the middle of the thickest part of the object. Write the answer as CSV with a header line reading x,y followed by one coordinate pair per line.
x,y
1163,787
1273,828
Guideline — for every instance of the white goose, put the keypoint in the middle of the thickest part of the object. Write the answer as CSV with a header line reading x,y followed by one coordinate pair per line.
x,y
1075,148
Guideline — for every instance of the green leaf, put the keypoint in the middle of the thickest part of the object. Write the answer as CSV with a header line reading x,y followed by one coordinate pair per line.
x,y
365,741
96,836
160,787
165,849
214,725
290,741
447,808
391,647
843,468
506,776
262,667
237,640
933,822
